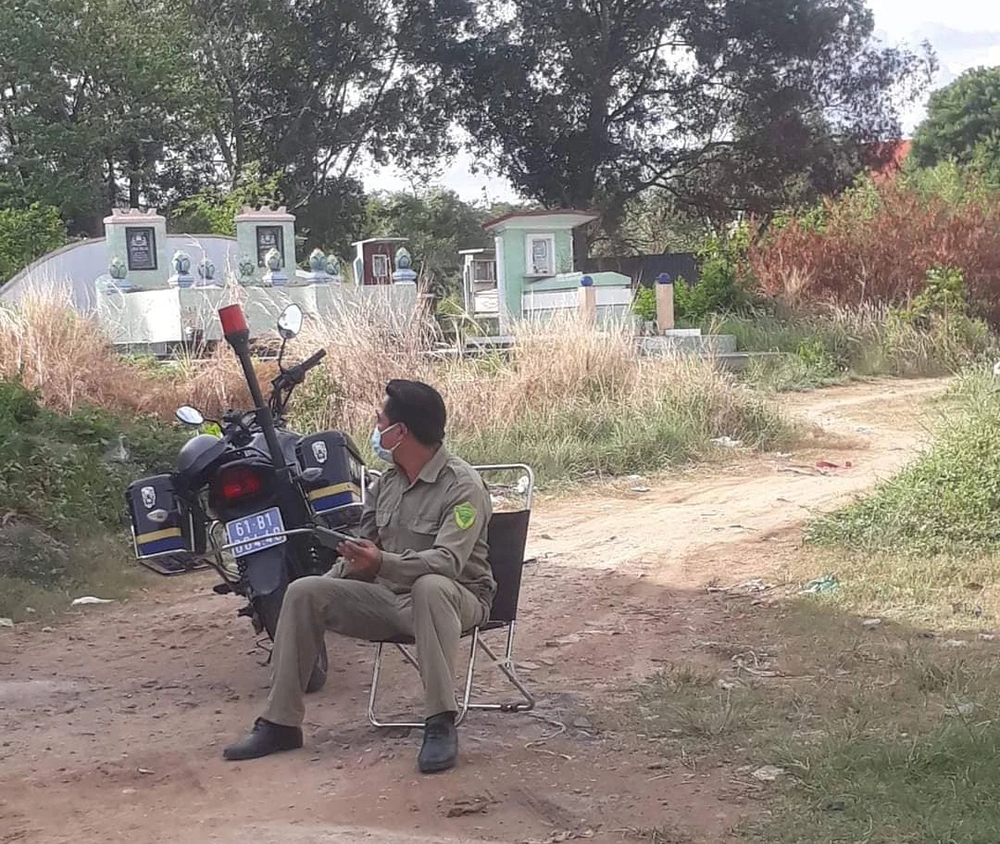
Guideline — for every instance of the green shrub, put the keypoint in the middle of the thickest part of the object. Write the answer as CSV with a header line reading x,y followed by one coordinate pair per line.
x,y
720,287
62,491
214,212
27,234
944,295
644,304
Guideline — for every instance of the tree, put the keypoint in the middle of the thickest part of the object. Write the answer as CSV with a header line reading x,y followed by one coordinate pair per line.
x,y
653,223
26,235
589,104
312,90
963,123
149,102
213,210
93,96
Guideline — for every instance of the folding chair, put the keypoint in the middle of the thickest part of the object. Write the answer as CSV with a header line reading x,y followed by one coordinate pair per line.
x,y
507,536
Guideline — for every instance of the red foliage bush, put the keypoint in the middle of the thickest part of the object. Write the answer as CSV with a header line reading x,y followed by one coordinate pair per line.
x,y
876,245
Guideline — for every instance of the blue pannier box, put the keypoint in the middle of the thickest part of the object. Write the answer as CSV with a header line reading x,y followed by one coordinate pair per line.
x,y
153,539
337,494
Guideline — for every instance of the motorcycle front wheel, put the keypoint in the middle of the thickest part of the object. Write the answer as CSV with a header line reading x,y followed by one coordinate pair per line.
x,y
268,607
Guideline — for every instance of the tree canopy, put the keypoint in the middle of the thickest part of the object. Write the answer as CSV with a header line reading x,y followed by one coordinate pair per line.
x,y
730,104
721,105
963,123
147,102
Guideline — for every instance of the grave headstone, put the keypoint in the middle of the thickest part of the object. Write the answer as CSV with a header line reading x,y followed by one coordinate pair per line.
x,y
404,273
261,231
206,274
274,273
333,268
317,273
139,240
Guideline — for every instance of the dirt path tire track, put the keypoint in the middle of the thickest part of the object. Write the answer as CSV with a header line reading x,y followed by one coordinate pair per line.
x,y
686,515
112,721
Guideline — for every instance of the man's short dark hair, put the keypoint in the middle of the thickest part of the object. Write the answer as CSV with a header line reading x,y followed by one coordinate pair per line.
x,y
419,407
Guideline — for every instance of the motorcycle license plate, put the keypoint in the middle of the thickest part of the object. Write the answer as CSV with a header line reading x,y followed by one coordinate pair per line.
x,y
255,532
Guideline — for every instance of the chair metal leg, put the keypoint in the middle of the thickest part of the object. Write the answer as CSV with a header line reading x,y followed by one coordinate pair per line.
x,y
376,672
504,663
410,658
464,709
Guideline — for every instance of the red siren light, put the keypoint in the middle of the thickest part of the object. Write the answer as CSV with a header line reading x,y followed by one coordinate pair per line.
x,y
233,321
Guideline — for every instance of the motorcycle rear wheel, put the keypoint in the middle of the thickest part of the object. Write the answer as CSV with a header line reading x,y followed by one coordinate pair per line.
x,y
268,608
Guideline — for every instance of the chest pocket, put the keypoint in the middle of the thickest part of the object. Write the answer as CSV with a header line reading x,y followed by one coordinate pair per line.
x,y
426,523
400,528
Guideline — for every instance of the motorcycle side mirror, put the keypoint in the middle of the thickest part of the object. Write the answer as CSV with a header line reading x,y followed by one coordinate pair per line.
x,y
190,416
290,322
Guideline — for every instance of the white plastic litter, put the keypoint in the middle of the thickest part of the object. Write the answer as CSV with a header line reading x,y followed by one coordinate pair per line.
x,y
89,599
769,773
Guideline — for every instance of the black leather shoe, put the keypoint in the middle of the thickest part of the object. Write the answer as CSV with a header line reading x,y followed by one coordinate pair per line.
x,y
265,738
440,747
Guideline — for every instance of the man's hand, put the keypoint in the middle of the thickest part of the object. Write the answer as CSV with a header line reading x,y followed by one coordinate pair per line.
x,y
364,559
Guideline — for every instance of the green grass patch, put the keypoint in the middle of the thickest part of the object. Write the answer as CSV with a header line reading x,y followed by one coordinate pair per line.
x,y
895,735
945,502
834,347
935,787
945,591
597,437
881,735
899,743
63,525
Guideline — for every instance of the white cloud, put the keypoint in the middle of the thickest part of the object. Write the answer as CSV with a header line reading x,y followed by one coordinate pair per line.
x,y
963,33
458,176
901,18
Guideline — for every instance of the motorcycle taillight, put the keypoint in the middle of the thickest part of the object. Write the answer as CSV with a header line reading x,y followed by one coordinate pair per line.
x,y
238,482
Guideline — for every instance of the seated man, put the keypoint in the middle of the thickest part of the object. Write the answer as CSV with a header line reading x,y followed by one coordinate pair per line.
x,y
419,570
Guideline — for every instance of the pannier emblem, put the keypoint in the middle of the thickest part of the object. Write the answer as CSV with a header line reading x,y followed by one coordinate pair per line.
x,y
319,451
149,497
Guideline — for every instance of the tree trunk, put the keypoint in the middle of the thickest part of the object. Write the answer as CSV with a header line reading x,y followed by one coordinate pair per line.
x,y
581,247
112,185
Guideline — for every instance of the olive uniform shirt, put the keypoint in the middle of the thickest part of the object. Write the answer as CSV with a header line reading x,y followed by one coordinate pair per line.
x,y
436,525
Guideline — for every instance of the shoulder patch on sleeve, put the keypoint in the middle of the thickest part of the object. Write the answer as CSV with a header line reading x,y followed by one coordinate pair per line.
x,y
465,515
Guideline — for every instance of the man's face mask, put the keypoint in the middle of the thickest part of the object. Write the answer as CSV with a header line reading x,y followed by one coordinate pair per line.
x,y
383,452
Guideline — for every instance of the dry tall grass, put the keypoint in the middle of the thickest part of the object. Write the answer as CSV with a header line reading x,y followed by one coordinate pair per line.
x,y
567,398
828,343
52,348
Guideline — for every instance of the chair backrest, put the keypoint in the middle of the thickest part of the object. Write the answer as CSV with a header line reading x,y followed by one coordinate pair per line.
x,y
507,535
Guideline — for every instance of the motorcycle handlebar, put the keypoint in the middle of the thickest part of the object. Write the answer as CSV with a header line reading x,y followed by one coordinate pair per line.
x,y
313,361
238,422
297,374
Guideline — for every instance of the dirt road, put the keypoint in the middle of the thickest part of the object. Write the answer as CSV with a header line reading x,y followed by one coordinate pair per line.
x,y
112,722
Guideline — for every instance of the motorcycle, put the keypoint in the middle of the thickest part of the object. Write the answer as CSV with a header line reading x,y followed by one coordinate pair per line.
x,y
281,501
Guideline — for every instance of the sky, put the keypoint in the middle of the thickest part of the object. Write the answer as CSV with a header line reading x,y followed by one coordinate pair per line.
x,y
963,33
